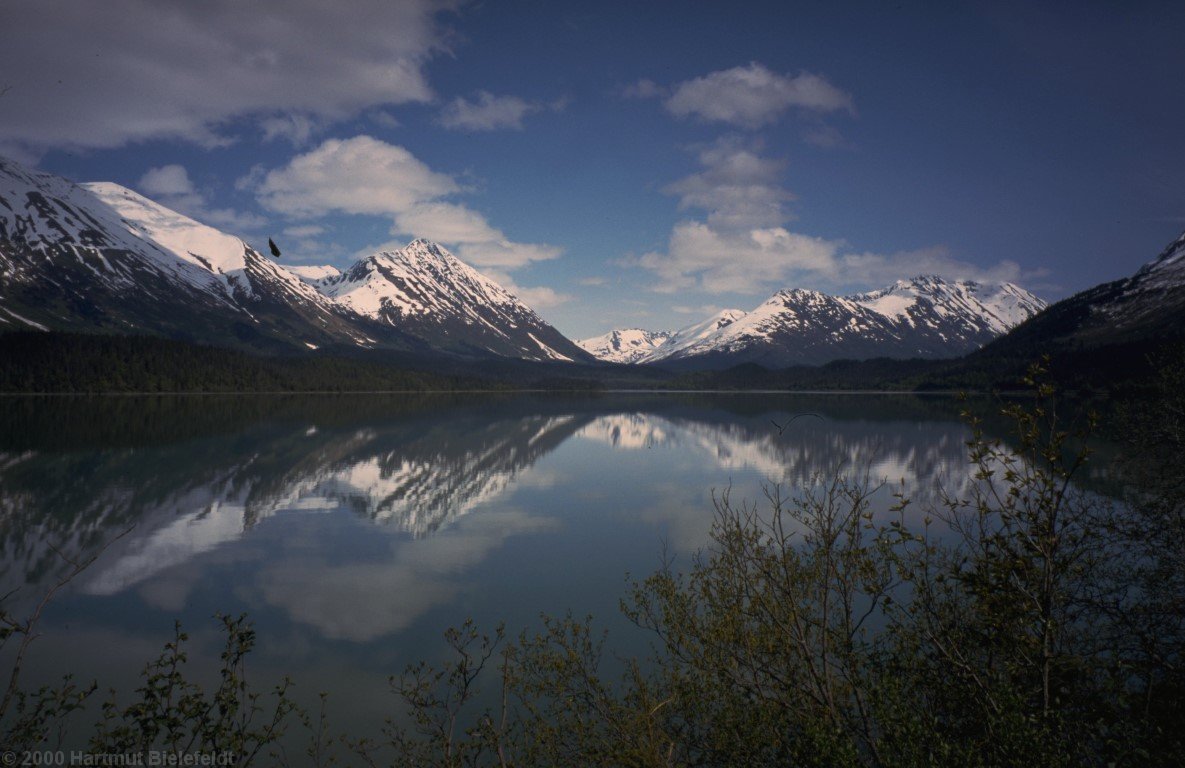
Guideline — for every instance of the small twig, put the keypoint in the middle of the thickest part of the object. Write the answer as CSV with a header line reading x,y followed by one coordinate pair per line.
x,y
26,629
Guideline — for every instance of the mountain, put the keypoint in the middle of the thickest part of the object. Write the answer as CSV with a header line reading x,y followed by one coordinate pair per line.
x,y
636,345
1131,315
926,316
693,334
627,345
101,258
426,291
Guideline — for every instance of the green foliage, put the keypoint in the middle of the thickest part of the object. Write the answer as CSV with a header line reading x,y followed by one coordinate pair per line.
x,y
174,713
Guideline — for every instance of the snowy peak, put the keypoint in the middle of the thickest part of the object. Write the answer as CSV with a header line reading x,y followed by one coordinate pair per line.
x,y
996,307
697,332
421,279
924,316
424,290
636,345
626,345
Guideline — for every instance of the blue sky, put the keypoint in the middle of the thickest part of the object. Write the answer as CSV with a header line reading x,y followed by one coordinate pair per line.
x,y
630,164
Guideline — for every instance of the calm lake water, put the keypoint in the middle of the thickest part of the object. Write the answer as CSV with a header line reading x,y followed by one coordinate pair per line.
x,y
355,529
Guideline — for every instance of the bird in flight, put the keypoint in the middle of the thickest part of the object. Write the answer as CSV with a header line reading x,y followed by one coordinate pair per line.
x,y
275,248
782,427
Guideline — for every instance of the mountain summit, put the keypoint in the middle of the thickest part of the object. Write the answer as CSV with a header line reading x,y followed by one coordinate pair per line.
x,y
424,290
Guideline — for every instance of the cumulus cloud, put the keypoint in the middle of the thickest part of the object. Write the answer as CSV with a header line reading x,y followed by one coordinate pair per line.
x,y
752,96
358,175
737,186
490,113
540,297
171,186
743,261
363,175
105,74
743,243
167,180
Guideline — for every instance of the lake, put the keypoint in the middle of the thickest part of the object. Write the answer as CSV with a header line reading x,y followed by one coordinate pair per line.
x,y
354,529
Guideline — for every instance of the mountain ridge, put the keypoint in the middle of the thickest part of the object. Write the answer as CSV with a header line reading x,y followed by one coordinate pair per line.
x,y
99,257
926,316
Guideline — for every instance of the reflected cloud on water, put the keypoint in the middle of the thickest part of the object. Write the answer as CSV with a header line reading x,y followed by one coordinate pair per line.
x,y
412,505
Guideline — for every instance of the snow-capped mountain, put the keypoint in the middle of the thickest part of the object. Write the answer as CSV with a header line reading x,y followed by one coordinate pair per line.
x,y
426,291
695,333
636,345
627,345
100,257
1149,306
927,316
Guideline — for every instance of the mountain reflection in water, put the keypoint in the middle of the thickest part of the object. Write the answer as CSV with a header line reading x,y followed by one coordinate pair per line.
x,y
357,515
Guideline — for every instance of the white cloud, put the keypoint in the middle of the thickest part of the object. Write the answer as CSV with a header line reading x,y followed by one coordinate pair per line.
x,y
167,180
311,230
490,113
701,310
363,175
743,244
358,175
297,129
171,186
106,74
754,96
747,261
504,253
230,219
384,119
445,223
737,186
882,269
540,297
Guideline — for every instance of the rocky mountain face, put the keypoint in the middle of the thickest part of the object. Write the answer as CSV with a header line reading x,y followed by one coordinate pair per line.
x,y
926,316
102,258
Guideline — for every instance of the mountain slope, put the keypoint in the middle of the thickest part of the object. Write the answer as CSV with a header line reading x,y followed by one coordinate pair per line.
x,y
1147,308
626,345
101,258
